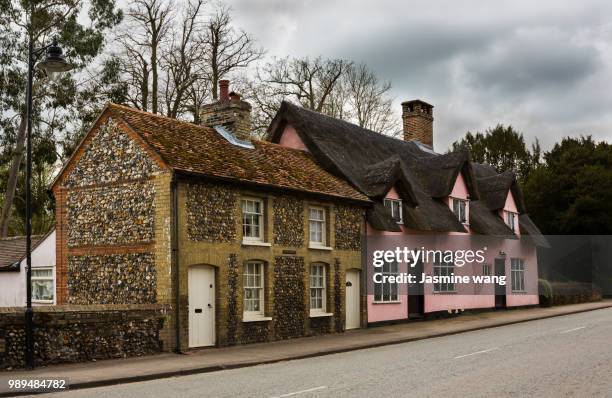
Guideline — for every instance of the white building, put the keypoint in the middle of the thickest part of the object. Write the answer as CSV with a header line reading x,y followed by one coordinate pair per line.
x,y
13,270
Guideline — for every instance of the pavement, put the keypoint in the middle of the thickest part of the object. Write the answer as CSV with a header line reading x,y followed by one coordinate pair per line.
x,y
567,356
109,372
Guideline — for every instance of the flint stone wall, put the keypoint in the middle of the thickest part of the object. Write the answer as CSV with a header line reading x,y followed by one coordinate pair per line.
x,y
123,214
112,279
288,221
111,156
289,293
348,222
211,213
68,334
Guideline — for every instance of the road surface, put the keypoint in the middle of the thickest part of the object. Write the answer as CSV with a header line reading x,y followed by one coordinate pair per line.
x,y
568,356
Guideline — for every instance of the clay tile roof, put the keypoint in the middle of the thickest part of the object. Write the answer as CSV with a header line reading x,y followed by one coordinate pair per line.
x,y
200,150
12,250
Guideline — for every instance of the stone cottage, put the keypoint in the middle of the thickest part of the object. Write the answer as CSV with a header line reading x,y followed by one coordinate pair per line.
x,y
246,240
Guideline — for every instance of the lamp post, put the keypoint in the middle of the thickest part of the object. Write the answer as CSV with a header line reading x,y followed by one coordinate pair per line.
x,y
53,63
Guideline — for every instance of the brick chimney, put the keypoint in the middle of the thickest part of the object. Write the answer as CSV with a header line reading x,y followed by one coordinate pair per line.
x,y
417,117
229,111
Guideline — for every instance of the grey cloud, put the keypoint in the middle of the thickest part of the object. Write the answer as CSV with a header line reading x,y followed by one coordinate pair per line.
x,y
532,60
543,67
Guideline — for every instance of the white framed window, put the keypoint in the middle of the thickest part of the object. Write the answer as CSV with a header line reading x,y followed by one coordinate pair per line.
x,y
443,269
253,281
460,209
395,209
252,219
486,269
387,292
517,272
316,220
43,285
511,220
318,284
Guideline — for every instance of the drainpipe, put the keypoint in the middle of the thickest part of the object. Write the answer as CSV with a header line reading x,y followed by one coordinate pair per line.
x,y
175,262
364,266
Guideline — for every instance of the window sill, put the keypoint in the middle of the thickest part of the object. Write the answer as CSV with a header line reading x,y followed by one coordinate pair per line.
x,y
387,302
320,314
519,291
318,247
448,292
257,319
255,243
42,301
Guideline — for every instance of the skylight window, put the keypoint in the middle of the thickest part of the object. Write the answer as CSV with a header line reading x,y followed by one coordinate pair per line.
x,y
231,138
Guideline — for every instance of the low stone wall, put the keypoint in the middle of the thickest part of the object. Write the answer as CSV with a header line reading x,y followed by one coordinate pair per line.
x,y
78,333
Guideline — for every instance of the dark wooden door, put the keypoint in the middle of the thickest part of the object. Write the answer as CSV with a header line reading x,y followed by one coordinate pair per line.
x,y
416,299
500,290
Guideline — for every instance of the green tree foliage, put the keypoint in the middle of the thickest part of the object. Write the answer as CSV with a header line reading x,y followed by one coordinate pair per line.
x,y
571,193
80,27
502,147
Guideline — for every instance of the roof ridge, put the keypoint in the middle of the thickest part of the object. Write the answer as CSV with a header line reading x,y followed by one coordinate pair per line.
x,y
155,115
320,114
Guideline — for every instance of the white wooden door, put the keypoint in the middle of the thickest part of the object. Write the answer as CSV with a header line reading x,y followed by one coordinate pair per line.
x,y
201,306
353,312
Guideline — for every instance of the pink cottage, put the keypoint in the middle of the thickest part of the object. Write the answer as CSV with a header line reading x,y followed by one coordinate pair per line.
x,y
421,197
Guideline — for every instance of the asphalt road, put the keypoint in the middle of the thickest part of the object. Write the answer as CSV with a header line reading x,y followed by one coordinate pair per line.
x,y
569,356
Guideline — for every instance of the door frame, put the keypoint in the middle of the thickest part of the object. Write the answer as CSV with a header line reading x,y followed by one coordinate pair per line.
x,y
358,272
213,269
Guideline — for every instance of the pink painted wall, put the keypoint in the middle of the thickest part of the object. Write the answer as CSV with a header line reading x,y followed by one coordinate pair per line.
x,y
460,191
466,296
291,139
510,206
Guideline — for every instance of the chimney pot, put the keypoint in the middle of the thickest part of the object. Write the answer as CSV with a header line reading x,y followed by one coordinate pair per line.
x,y
224,90
229,112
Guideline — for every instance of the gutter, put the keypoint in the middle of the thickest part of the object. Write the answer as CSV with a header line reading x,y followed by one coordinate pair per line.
x,y
175,260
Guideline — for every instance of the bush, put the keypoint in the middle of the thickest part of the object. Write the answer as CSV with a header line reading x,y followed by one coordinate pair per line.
x,y
573,293
546,293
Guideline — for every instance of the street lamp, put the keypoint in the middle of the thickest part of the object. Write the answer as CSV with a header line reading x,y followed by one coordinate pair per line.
x,y
54,63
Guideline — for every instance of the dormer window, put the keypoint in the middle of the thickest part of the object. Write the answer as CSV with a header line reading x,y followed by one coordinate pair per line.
x,y
460,209
395,209
511,220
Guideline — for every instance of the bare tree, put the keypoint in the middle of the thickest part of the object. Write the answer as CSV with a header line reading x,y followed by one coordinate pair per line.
x,y
309,81
335,87
182,60
172,61
227,48
369,100
151,21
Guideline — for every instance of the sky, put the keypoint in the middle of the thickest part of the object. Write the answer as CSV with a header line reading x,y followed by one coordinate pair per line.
x,y
544,67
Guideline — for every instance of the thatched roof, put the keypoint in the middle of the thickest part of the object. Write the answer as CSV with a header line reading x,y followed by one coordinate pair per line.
x,y
373,163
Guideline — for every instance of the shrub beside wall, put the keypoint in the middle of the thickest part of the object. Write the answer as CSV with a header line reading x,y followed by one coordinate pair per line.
x,y
560,293
66,334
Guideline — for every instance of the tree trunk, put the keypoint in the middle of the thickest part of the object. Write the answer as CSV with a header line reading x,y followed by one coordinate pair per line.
x,y
11,184
144,87
154,83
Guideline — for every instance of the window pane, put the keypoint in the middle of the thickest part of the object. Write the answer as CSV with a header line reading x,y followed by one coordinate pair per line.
x,y
42,273
42,290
